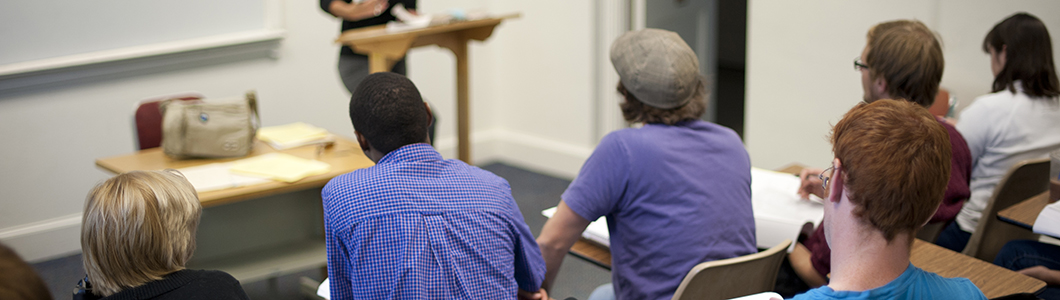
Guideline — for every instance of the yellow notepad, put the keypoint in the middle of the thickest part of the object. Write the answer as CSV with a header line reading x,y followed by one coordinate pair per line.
x,y
279,166
292,135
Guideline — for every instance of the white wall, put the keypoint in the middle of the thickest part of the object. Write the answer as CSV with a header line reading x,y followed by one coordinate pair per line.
x,y
800,77
531,93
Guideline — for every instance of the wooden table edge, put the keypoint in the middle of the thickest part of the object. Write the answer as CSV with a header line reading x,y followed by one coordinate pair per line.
x,y
1025,213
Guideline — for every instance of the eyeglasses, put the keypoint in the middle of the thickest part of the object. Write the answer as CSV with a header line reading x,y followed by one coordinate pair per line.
x,y
859,65
824,179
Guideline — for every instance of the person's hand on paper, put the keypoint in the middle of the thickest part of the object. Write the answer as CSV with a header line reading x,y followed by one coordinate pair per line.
x,y
540,294
358,11
810,184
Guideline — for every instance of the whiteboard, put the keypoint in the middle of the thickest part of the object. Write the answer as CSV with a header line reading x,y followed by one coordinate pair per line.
x,y
43,31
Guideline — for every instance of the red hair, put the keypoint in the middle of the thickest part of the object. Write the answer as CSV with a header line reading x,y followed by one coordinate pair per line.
x,y
896,162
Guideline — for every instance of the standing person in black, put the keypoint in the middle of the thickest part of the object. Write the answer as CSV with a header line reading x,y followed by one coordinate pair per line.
x,y
353,67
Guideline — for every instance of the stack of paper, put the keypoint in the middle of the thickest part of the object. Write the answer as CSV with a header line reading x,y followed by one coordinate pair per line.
x,y
1048,222
216,177
293,135
596,232
279,166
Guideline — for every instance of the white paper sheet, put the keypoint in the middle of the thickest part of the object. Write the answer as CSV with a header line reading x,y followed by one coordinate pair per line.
x,y
1048,222
216,176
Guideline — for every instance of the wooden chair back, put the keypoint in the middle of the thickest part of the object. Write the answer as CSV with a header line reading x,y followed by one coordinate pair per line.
x,y
1024,180
733,277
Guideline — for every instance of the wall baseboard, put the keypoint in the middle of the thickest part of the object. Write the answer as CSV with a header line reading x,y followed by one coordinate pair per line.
x,y
46,239
57,237
529,152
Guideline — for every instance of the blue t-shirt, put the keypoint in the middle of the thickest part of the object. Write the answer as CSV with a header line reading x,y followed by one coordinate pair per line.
x,y
914,283
674,196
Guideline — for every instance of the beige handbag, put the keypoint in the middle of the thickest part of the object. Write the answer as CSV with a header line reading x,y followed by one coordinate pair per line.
x,y
213,128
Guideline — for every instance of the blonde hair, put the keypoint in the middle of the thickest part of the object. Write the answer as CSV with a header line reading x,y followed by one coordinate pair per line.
x,y
137,227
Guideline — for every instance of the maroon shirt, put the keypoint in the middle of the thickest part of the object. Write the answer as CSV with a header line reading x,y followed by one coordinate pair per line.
x,y
956,193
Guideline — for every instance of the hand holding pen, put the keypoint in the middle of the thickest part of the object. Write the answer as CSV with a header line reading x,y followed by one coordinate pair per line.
x,y
810,183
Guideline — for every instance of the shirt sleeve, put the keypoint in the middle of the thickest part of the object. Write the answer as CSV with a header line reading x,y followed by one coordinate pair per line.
x,y
974,126
326,5
338,260
602,180
529,264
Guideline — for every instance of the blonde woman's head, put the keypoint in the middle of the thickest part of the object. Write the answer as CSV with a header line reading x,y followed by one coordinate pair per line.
x,y
138,227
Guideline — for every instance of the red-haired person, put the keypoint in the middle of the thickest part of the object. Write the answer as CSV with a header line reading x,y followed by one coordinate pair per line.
x,y
891,167
902,60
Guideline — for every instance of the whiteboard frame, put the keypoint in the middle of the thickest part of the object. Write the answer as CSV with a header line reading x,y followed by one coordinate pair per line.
x,y
274,30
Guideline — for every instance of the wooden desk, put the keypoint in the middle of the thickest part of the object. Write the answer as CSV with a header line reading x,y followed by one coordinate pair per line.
x,y
993,280
1024,214
256,263
344,157
384,49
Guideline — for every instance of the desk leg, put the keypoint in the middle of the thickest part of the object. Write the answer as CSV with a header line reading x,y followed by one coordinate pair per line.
x,y
377,62
463,125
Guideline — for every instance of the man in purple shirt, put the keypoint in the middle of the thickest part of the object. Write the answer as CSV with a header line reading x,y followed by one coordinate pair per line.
x,y
416,226
676,192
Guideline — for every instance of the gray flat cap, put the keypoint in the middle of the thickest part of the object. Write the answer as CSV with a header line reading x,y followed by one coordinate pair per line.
x,y
657,66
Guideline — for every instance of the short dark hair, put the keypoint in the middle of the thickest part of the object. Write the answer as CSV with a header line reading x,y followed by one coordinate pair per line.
x,y
18,279
635,111
896,160
387,109
1028,56
908,56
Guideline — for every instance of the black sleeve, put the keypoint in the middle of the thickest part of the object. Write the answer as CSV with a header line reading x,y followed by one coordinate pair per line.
x,y
325,4
409,4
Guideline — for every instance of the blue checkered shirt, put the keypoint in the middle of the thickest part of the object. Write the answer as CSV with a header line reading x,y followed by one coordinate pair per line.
x,y
416,226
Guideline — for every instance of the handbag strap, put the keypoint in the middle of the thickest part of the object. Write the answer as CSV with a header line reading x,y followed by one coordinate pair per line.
x,y
252,101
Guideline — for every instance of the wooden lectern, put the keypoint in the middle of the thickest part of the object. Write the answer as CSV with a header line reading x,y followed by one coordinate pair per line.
x,y
384,49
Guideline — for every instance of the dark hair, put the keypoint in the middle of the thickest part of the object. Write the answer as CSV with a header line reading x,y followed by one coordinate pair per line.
x,y
1028,56
18,279
387,109
635,111
896,161
909,57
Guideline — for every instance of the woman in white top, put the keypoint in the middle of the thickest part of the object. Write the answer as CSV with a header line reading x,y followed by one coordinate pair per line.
x,y
1019,120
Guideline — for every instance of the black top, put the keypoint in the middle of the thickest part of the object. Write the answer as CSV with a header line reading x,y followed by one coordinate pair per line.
x,y
187,284
381,19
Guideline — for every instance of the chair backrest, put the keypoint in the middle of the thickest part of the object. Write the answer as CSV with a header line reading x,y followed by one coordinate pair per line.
x,y
733,277
148,119
1024,180
930,232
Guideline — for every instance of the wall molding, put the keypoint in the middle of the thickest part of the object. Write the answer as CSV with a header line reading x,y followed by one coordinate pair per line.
x,y
45,239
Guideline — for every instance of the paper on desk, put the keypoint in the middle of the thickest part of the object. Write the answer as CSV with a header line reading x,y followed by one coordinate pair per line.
x,y
408,20
324,290
596,232
293,135
779,213
1048,221
280,166
216,176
